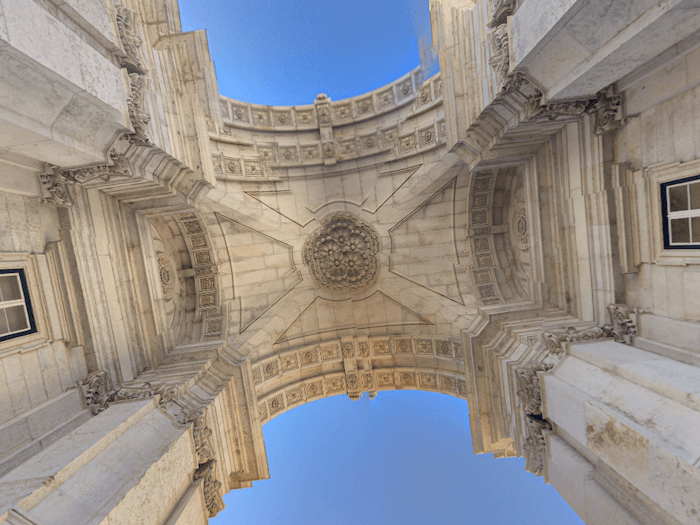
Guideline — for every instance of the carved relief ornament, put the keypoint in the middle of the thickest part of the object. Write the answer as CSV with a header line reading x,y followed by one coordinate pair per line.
x,y
342,254
529,391
500,52
130,60
499,11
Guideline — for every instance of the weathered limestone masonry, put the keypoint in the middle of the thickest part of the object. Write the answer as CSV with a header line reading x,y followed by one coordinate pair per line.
x,y
178,268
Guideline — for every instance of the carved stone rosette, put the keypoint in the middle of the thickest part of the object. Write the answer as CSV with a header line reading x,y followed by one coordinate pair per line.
x,y
166,274
519,226
342,254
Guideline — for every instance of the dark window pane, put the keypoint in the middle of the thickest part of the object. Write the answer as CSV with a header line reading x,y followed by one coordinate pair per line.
x,y
696,229
9,287
678,198
695,196
680,231
3,323
16,318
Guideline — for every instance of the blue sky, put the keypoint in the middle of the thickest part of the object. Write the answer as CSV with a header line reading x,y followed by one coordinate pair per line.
x,y
285,52
405,457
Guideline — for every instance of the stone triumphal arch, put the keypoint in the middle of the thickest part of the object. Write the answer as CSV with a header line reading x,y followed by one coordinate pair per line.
x,y
178,268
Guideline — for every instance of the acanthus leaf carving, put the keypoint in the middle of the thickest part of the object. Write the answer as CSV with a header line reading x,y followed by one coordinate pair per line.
x,y
624,322
529,391
500,52
207,460
136,105
54,182
535,110
131,42
96,392
608,111
534,446
555,339
499,11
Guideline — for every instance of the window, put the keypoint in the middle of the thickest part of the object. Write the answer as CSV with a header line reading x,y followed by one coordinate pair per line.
x,y
16,314
680,207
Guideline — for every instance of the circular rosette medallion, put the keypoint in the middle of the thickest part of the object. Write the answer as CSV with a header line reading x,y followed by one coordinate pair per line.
x,y
342,254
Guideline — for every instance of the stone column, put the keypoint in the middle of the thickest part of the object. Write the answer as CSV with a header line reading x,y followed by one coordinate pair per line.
x,y
626,421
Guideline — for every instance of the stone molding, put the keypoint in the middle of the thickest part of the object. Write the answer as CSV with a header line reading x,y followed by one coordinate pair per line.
x,y
343,253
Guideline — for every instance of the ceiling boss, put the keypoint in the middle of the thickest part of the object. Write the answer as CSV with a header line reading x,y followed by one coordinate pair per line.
x,y
342,253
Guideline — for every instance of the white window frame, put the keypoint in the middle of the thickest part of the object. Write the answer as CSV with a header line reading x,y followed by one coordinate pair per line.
x,y
685,214
24,301
650,218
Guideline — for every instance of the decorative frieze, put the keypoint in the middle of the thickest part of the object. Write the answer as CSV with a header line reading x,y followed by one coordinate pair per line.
x,y
556,338
535,110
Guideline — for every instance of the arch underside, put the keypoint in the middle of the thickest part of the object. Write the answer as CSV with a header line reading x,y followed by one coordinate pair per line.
x,y
357,365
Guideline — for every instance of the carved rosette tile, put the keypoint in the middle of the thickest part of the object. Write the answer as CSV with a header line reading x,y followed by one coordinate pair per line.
x,y
348,350
448,384
407,379
363,349
276,404
335,384
314,389
403,346
381,347
270,369
385,379
309,357
519,227
329,352
424,346
294,396
289,362
443,348
342,254
427,380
